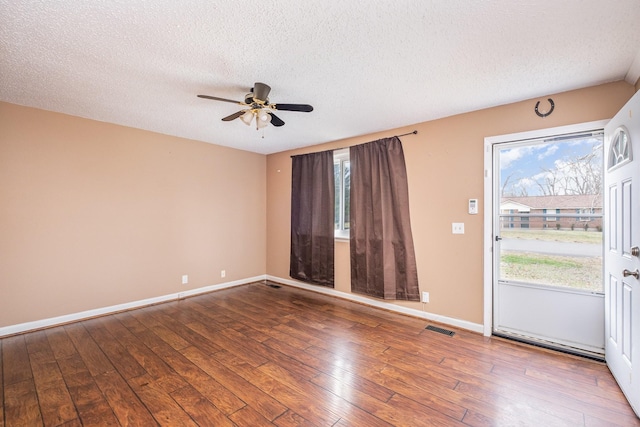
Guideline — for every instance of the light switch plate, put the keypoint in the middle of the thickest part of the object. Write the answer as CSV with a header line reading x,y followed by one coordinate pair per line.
x,y
457,227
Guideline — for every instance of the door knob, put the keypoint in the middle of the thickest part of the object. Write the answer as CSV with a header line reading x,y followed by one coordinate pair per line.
x,y
627,273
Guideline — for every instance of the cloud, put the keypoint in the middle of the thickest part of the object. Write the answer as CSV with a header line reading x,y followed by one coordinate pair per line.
x,y
594,140
562,167
541,176
550,151
507,157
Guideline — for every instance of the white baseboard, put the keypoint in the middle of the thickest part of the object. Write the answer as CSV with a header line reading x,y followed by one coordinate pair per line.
x,y
463,324
68,318
54,321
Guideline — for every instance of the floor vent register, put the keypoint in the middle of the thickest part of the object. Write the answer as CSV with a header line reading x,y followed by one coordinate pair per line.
x,y
440,330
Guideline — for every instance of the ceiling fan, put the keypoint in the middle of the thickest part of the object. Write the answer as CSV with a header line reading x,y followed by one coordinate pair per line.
x,y
256,104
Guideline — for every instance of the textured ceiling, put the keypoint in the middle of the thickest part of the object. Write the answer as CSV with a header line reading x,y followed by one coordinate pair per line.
x,y
364,66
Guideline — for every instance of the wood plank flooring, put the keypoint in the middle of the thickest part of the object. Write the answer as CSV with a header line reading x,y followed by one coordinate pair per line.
x,y
260,356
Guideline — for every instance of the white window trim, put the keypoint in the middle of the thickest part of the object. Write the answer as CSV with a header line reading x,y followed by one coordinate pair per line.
x,y
342,235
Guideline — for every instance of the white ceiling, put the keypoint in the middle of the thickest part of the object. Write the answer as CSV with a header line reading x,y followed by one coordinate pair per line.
x,y
364,66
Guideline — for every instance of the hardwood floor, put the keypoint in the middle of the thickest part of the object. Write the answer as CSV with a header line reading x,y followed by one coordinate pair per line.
x,y
259,356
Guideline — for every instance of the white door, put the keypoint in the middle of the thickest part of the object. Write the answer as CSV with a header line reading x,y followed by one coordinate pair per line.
x,y
547,238
621,261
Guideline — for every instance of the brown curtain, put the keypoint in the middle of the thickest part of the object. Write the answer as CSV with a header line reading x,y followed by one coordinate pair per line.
x,y
312,218
383,262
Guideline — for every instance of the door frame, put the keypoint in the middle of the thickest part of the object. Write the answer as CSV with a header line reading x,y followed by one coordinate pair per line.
x,y
488,232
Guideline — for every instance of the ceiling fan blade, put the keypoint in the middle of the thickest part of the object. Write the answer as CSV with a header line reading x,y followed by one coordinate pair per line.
x,y
234,116
276,121
293,107
220,99
261,91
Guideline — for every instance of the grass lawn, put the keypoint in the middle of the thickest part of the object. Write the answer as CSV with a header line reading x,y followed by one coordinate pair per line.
x,y
574,272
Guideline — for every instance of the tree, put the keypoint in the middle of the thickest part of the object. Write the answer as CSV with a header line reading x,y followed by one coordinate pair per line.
x,y
519,188
548,182
575,176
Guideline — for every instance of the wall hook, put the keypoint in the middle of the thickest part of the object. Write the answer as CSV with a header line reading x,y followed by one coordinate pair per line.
x,y
548,112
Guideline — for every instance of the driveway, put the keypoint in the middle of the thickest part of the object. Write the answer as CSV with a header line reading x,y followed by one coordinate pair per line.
x,y
552,248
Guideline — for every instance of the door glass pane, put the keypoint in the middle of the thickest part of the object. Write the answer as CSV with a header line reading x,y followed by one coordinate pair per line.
x,y
620,151
543,185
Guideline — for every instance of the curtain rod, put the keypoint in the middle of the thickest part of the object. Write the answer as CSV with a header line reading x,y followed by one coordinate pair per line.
x,y
415,132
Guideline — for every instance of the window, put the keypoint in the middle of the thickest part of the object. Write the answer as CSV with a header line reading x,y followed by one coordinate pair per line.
x,y
550,218
342,174
511,218
586,211
620,151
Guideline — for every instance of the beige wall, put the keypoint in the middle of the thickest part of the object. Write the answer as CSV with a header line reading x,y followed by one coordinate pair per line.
x,y
445,169
94,214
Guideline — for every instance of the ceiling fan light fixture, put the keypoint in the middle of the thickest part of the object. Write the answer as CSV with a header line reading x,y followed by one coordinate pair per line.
x,y
247,117
256,103
263,119
264,116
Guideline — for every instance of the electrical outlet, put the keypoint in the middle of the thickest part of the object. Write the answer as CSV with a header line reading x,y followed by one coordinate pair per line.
x,y
425,297
223,273
185,279
457,227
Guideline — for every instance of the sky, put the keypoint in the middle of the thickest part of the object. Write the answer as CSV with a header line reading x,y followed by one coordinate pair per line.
x,y
551,166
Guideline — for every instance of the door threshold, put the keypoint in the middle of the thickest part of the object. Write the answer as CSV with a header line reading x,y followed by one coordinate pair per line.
x,y
551,346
